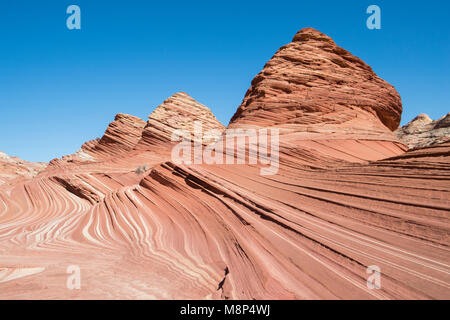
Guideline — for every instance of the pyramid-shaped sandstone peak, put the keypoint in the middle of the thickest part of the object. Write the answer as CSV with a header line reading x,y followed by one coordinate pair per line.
x,y
179,112
121,135
312,81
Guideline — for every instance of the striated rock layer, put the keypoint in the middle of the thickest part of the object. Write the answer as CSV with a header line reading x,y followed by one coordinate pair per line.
x,y
179,112
423,132
319,93
313,81
12,168
122,135
224,231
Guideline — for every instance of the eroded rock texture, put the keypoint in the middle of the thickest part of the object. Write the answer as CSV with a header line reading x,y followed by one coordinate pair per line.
x,y
313,81
12,168
179,112
319,93
226,231
122,135
422,131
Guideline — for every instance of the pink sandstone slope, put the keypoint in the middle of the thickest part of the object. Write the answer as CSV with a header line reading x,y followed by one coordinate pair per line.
x,y
201,231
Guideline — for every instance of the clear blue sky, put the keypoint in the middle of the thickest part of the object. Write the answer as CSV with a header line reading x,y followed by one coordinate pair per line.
x,y
60,88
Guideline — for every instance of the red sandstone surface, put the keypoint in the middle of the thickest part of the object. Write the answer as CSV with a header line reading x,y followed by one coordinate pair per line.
x,y
322,96
347,195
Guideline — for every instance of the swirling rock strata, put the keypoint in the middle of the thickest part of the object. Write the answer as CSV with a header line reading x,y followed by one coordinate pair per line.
x,y
178,231
172,232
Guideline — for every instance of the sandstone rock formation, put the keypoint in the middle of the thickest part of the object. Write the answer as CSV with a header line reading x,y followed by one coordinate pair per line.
x,y
313,81
322,94
127,133
130,147
198,231
12,168
423,132
122,135
179,112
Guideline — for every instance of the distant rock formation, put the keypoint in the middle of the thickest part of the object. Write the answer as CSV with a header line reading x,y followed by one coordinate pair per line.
x,y
179,112
13,167
422,131
126,132
121,136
